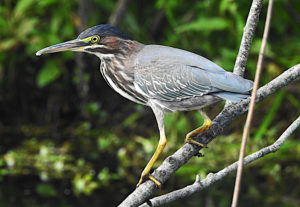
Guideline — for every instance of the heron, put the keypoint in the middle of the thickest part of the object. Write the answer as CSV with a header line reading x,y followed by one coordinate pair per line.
x,y
164,78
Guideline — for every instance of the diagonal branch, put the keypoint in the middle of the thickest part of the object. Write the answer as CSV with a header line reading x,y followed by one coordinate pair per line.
x,y
249,29
230,113
214,177
251,108
187,151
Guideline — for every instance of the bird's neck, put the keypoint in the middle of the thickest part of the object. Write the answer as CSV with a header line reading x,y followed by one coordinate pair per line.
x,y
126,49
118,72
122,58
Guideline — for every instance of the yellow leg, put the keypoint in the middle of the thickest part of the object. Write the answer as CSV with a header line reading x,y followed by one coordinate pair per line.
x,y
145,174
206,125
159,115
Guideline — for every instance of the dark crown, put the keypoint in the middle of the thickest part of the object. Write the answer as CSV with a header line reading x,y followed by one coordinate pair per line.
x,y
104,30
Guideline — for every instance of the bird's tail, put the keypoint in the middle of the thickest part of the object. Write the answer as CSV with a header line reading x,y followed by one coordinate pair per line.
x,y
230,96
230,82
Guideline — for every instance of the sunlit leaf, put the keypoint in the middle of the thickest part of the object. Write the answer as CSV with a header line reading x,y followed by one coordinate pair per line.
x,y
103,143
26,27
204,24
274,69
47,74
7,44
46,3
22,6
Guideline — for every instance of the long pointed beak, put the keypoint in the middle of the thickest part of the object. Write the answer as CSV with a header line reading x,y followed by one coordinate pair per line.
x,y
72,45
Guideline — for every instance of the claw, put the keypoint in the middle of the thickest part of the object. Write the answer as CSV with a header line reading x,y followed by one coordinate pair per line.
x,y
190,140
150,177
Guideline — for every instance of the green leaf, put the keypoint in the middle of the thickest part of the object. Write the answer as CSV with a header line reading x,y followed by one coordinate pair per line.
x,y
182,124
103,143
7,44
131,119
46,190
48,74
26,27
22,6
92,108
204,24
270,116
46,3
294,101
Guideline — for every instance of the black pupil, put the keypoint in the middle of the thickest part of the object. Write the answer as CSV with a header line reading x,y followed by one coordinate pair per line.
x,y
94,39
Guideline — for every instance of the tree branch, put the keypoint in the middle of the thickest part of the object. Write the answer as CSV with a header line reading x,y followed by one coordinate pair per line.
x,y
187,151
249,29
82,85
214,177
119,12
229,113
251,108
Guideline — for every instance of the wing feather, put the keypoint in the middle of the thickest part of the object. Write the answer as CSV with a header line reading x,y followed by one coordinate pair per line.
x,y
171,83
170,74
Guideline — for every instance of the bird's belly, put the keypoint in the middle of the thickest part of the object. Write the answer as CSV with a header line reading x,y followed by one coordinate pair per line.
x,y
194,103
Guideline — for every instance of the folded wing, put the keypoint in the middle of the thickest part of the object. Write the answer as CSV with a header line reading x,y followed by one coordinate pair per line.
x,y
173,74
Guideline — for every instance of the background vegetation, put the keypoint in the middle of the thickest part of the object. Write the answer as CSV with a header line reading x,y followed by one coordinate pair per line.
x,y
67,139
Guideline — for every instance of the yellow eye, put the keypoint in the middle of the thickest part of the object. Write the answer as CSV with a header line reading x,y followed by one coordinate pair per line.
x,y
95,39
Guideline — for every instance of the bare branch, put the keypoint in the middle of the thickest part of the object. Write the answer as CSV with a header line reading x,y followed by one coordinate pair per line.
x,y
82,85
230,113
249,29
221,122
119,12
252,104
212,178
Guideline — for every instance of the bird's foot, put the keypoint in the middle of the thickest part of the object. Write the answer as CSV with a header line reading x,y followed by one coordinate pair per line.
x,y
190,140
189,137
146,172
150,177
206,126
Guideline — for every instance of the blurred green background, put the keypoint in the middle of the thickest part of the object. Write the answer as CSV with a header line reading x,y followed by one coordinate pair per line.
x,y
67,139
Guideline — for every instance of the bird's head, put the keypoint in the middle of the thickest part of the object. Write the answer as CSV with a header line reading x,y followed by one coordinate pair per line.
x,y
100,40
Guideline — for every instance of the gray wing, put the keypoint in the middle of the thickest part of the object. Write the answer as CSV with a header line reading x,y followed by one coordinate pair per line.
x,y
171,81
169,74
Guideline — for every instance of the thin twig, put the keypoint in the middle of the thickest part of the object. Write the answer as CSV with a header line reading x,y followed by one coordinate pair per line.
x,y
198,185
252,104
220,123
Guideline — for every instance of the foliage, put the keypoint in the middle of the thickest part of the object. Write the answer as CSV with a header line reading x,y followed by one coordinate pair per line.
x,y
55,143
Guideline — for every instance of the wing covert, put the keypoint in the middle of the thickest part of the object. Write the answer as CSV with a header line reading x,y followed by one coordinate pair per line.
x,y
170,81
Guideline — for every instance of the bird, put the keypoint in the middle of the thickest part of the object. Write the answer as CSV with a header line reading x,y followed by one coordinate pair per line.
x,y
164,78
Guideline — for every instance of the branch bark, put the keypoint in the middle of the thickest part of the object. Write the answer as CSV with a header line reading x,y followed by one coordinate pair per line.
x,y
214,177
230,112
251,109
249,29
187,151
